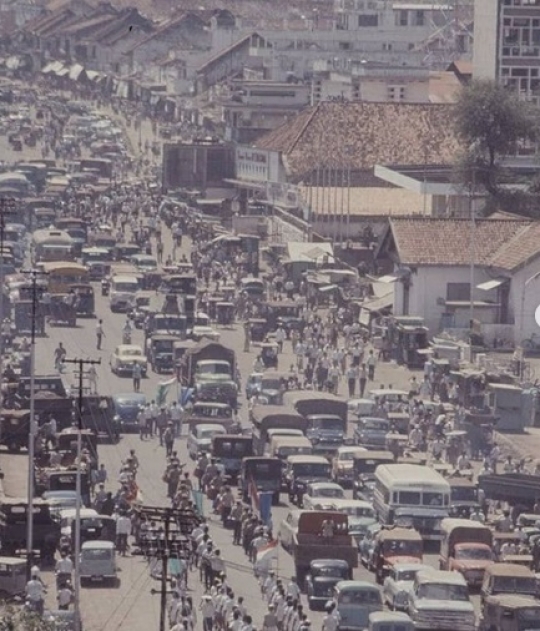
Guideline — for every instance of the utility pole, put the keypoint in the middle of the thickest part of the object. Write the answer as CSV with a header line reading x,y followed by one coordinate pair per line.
x,y
173,541
7,207
80,363
35,291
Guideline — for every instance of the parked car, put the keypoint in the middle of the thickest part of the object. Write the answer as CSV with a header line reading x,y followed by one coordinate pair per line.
x,y
200,438
98,562
321,490
126,409
398,584
124,358
323,576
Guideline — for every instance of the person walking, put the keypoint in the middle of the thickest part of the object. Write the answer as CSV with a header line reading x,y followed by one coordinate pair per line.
x,y
92,379
362,380
352,375
136,375
99,334
371,363
168,439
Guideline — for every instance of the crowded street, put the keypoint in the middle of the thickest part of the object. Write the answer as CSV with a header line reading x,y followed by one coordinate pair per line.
x,y
213,370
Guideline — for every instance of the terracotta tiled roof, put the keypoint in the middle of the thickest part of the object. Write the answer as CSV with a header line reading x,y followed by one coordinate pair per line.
x,y
518,251
361,135
446,242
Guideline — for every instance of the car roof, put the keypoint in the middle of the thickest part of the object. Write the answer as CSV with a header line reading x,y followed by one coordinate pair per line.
x,y
389,616
349,585
72,512
127,347
342,503
326,562
207,426
440,576
333,485
411,566
509,569
130,396
400,533
304,458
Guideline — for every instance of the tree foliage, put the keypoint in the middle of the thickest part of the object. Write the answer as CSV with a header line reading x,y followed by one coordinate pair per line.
x,y
491,122
14,618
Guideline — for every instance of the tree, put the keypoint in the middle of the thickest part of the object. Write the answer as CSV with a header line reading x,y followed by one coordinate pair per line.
x,y
491,121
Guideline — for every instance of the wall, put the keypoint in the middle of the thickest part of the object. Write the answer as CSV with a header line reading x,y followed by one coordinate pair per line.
x,y
485,39
524,312
429,284
377,90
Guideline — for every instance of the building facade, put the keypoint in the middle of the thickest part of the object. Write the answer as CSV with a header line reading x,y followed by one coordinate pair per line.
x,y
507,44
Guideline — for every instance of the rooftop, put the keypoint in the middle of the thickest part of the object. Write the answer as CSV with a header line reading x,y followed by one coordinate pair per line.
x,y
361,135
503,243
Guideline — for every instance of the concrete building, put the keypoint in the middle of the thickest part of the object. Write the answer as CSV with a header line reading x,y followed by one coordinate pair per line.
x,y
257,107
507,44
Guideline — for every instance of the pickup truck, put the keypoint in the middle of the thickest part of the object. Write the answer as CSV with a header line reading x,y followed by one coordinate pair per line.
x,y
466,548
309,543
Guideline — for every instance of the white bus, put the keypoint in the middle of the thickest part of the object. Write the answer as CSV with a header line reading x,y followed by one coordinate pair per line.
x,y
408,494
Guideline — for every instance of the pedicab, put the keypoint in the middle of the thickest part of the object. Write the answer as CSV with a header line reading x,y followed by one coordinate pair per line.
x,y
225,313
85,304
258,328
269,354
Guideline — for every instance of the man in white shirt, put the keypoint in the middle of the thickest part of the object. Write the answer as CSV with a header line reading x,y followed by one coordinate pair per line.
x,y
123,530
35,592
65,597
175,414
207,612
293,590
64,569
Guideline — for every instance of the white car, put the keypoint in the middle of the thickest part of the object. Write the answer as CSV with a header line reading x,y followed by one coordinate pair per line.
x,y
124,358
202,328
317,491
361,515
288,529
343,463
200,438
398,584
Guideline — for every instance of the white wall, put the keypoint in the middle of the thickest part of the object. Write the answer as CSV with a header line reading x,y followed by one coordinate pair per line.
x,y
525,316
429,284
485,39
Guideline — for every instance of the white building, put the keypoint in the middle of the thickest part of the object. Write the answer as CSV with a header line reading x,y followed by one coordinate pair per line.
x,y
432,279
507,44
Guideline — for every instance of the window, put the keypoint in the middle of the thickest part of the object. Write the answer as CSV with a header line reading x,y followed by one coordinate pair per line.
x,y
458,291
420,18
368,20
410,498
402,18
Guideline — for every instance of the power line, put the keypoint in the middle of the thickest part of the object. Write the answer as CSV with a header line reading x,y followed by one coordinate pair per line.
x,y
80,401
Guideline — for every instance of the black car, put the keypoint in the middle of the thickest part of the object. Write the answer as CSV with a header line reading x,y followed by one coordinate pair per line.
x,y
126,410
323,575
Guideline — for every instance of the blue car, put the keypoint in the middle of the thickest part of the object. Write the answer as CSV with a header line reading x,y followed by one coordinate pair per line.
x,y
126,410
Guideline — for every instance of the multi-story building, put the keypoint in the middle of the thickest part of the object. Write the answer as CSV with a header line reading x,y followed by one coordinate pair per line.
x,y
507,44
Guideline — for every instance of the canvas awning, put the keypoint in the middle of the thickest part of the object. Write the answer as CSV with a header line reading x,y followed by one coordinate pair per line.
x,y
491,284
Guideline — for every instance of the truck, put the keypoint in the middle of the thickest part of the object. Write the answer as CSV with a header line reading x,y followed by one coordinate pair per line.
x,y
273,417
514,488
310,544
466,547
326,416
13,528
210,369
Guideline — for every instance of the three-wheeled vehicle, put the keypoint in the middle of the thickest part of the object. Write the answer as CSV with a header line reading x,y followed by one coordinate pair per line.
x,y
12,577
269,354
258,328
161,352
85,304
229,450
98,562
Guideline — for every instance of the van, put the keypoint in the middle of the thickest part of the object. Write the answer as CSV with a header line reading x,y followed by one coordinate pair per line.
x,y
98,562
355,601
122,292
284,446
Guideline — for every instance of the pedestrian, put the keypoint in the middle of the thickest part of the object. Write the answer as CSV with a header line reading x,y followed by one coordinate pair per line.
x,y
136,375
160,252
371,362
207,611
352,375
99,334
65,596
362,380
92,379
142,422
59,356
123,530
168,439
175,414
161,423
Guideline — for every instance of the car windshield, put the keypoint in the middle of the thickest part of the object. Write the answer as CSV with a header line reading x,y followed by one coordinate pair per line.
x,y
324,588
163,346
213,369
127,287
379,426
405,575
473,554
360,597
212,412
131,352
395,547
329,570
327,492
347,456
168,323
208,433
315,469
514,585
463,494
441,591
328,423
359,511
270,384
96,555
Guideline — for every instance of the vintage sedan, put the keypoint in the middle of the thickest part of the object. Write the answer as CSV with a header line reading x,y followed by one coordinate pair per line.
x,y
317,491
323,575
398,583
125,357
343,464
200,438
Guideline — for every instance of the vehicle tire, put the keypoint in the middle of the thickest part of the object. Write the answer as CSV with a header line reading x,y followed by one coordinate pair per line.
x,y
14,447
